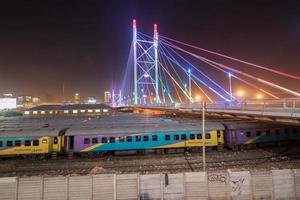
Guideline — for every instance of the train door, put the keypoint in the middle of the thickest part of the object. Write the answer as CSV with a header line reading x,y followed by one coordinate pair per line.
x,y
55,144
71,143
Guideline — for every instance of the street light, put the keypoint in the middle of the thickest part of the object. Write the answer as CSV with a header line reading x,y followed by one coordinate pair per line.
x,y
198,98
259,96
203,136
240,93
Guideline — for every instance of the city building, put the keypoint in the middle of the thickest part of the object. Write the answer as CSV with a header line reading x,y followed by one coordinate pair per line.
x,y
7,102
77,99
24,99
107,97
68,110
36,100
90,100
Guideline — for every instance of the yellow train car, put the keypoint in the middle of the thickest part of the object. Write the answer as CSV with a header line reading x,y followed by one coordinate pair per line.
x,y
13,146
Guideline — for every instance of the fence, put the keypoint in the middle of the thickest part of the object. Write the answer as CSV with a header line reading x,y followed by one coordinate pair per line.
x,y
243,185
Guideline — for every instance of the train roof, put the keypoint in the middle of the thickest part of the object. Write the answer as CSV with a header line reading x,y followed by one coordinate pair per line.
x,y
238,125
118,123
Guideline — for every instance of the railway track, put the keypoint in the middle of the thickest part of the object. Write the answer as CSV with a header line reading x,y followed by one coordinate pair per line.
x,y
171,163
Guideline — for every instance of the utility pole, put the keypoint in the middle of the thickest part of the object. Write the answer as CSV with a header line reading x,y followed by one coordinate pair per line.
x,y
203,136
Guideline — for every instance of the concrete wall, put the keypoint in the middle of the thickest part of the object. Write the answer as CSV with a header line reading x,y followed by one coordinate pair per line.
x,y
240,185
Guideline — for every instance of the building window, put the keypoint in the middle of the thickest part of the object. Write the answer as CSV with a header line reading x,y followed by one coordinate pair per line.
x,y
277,132
176,137
154,138
248,134
112,140
97,110
1,144
66,111
105,110
138,138
104,140
268,132
129,138
75,111
26,112
94,140
27,143
167,137
82,111
18,143
43,112
35,112
35,143
86,141
192,136
145,138
90,111
9,143
183,137
207,136
50,112
199,136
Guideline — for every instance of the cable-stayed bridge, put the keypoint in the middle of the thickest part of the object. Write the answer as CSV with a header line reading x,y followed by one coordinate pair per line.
x,y
164,73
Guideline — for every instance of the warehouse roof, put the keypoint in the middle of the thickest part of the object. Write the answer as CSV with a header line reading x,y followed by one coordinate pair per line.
x,y
70,107
108,124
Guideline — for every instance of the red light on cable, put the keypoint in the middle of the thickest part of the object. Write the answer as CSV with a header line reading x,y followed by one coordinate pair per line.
x,y
134,23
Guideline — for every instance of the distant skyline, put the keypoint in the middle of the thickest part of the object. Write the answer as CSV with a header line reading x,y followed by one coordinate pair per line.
x,y
85,44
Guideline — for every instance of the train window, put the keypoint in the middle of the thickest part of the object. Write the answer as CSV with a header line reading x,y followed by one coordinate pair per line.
x,y
104,140
167,137
1,144
268,133
86,141
18,143
198,136
121,139
138,138
277,132
154,138
286,131
129,138
35,143
295,130
192,136
207,136
112,139
9,143
55,141
145,138
176,137
94,140
248,134
258,133
183,137
27,142
218,133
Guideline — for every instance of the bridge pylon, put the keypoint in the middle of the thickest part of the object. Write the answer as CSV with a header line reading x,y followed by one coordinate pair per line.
x,y
145,63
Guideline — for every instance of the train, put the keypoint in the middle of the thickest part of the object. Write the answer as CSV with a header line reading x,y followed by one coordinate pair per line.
x,y
128,132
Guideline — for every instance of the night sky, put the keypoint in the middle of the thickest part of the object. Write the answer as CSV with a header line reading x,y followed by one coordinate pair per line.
x,y
85,44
